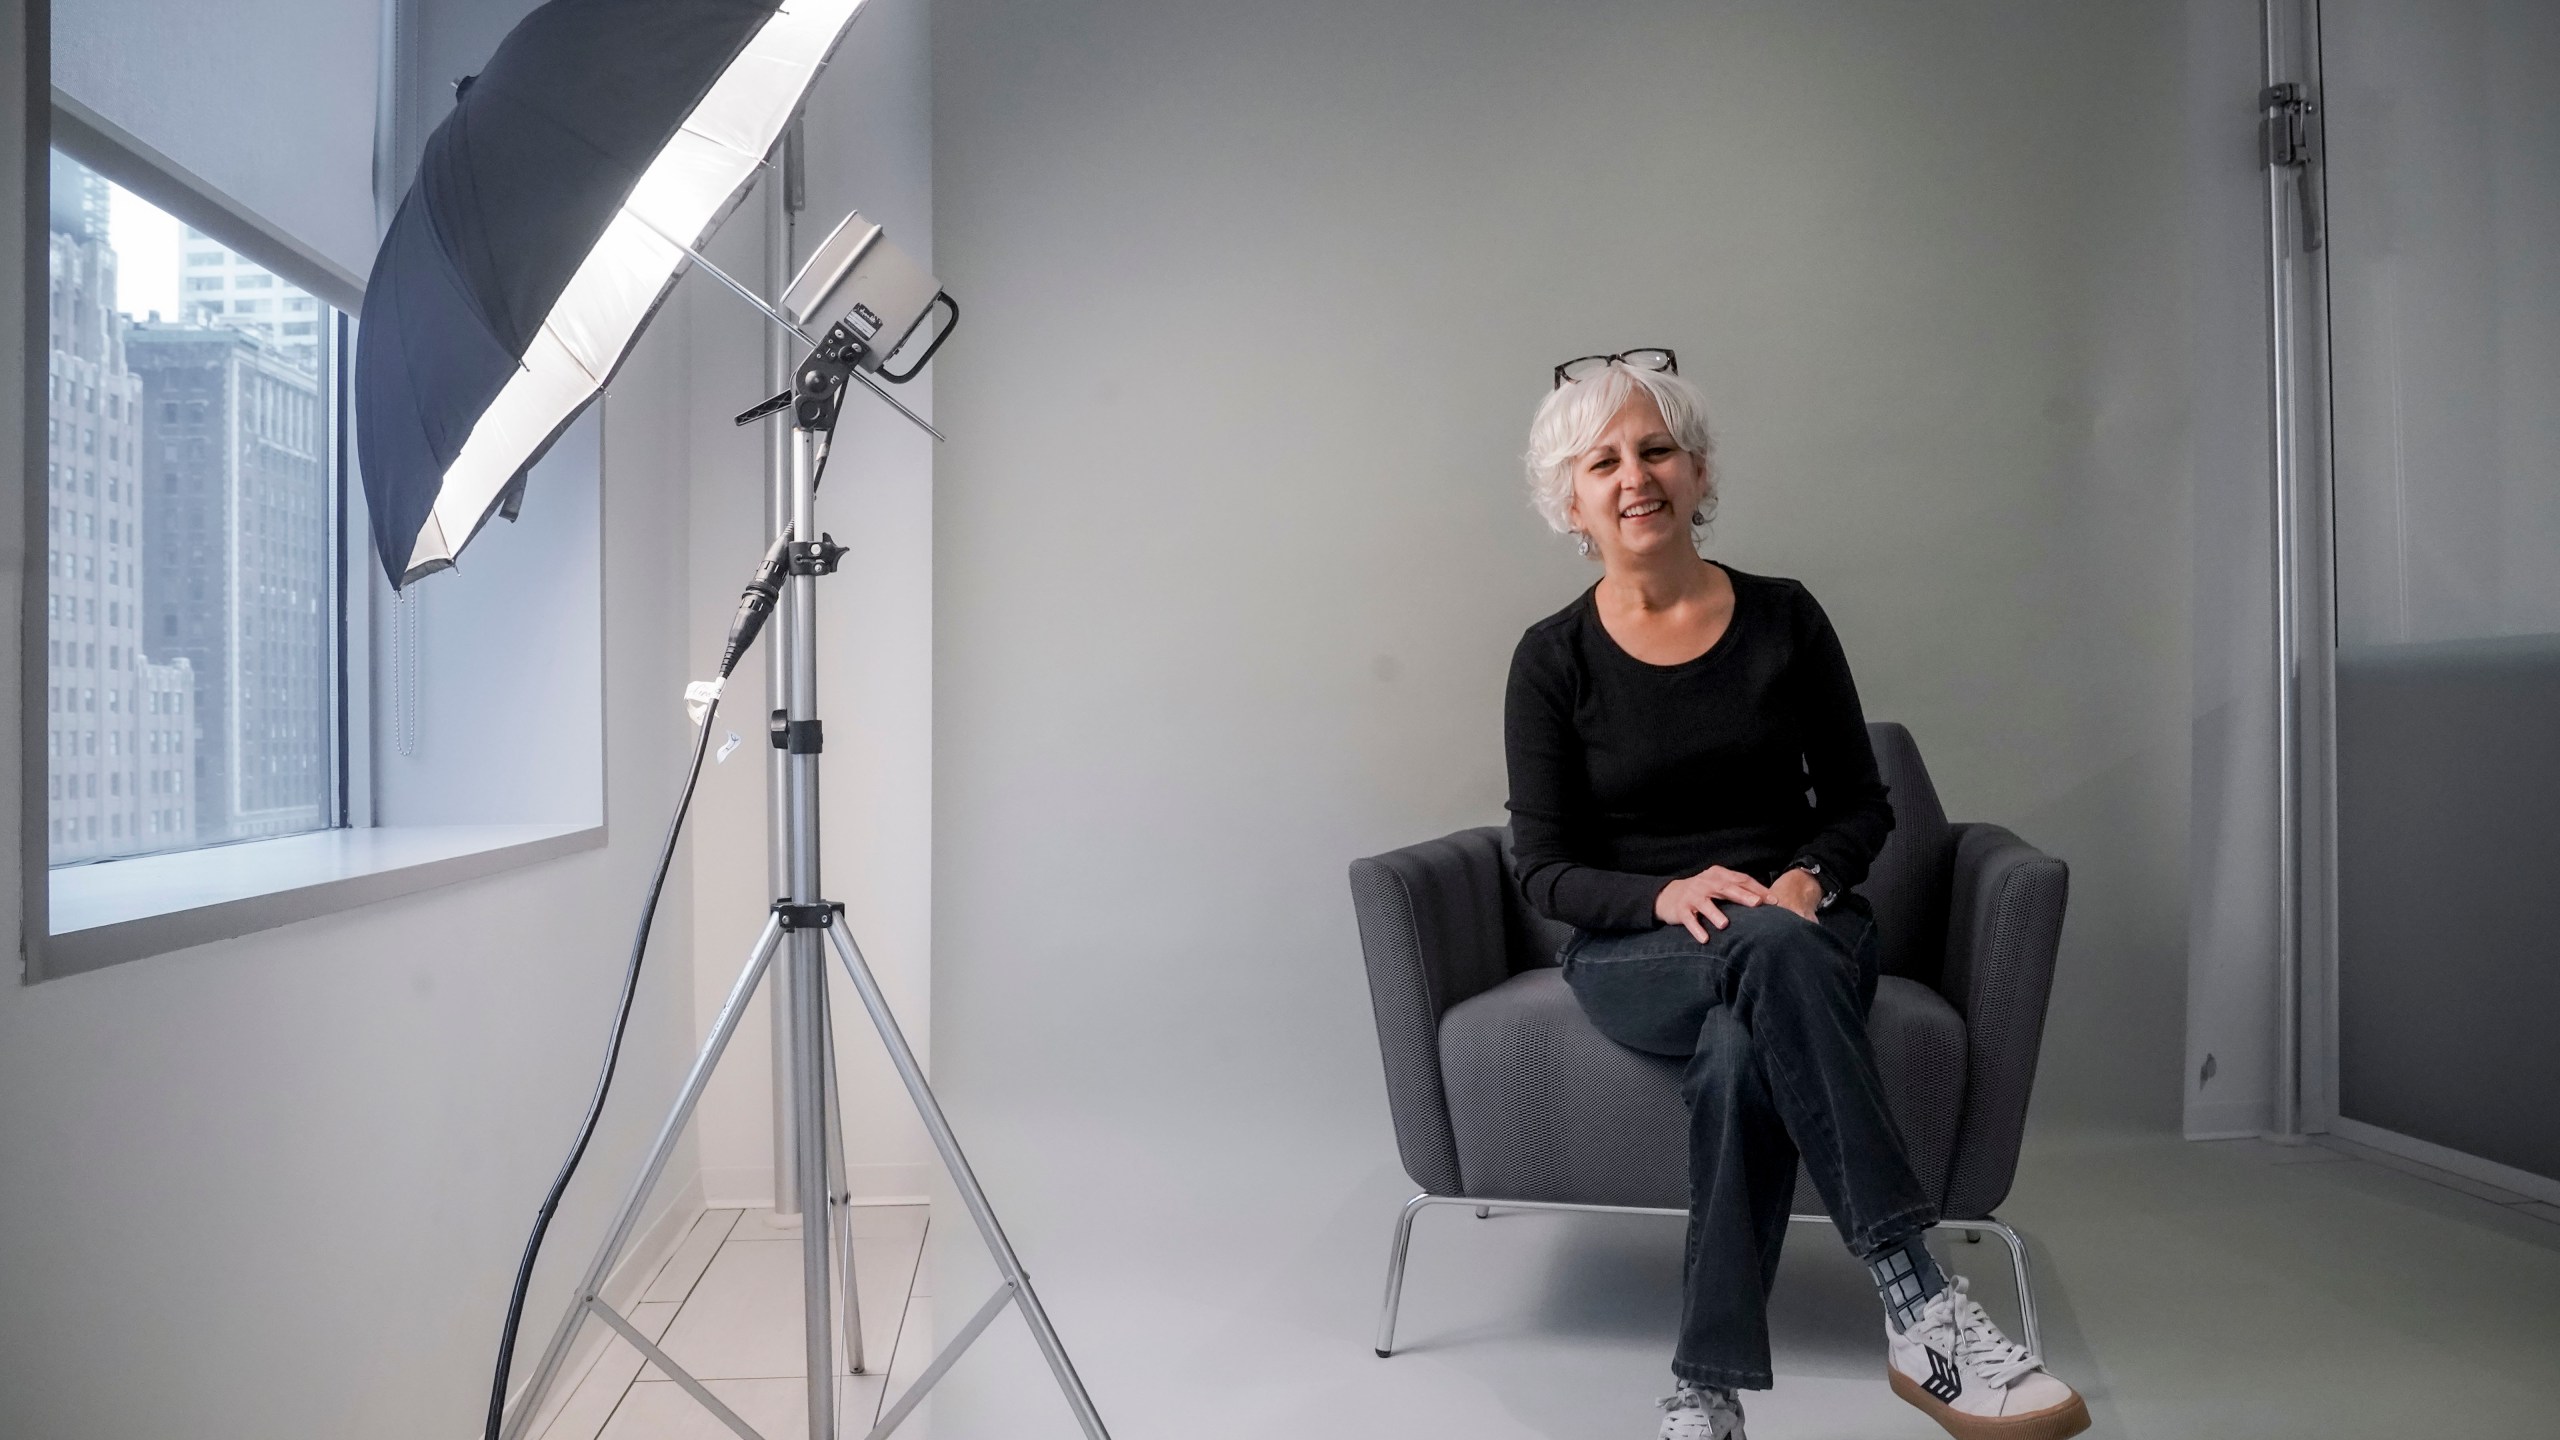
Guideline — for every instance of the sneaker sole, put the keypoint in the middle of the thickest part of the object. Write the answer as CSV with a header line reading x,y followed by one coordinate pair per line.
x,y
2057,1423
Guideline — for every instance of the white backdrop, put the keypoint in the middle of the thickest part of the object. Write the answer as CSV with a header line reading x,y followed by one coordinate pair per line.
x,y
1231,547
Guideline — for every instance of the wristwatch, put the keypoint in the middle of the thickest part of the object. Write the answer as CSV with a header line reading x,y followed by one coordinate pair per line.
x,y
1830,887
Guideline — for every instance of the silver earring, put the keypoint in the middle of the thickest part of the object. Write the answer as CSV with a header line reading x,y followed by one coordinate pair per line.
x,y
1698,517
1582,542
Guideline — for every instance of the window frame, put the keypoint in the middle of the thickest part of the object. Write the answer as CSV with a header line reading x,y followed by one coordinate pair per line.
x,y
335,362
350,864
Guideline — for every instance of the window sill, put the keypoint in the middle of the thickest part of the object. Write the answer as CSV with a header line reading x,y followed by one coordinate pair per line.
x,y
121,910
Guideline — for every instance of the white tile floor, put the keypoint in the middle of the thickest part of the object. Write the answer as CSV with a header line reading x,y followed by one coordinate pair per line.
x,y
726,1307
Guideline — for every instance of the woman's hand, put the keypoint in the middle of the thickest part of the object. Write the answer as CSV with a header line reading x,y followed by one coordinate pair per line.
x,y
1683,901
1799,892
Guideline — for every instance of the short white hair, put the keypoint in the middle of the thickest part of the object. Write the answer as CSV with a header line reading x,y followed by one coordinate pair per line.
x,y
1571,419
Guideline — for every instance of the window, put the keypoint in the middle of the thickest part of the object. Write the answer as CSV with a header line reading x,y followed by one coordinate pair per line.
x,y
250,646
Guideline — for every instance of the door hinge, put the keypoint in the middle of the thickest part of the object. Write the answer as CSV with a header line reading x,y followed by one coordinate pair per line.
x,y
2284,126
2285,115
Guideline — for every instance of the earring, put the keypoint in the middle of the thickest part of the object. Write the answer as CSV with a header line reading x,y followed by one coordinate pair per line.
x,y
1582,542
1698,516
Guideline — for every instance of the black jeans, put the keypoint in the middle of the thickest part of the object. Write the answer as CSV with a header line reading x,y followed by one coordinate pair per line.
x,y
1771,1015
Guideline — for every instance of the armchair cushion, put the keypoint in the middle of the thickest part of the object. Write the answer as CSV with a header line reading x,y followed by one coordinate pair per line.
x,y
1544,1107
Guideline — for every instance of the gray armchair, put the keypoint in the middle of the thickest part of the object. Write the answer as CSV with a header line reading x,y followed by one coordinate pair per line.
x,y
1492,1068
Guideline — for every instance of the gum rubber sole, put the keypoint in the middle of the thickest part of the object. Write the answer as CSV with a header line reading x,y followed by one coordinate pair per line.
x,y
2058,1423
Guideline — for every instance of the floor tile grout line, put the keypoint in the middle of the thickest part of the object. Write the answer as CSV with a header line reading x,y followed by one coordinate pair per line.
x,y
906,1305
906,1302
898,1337
898,1333
625,1397
680,1302
569,1396
725,1237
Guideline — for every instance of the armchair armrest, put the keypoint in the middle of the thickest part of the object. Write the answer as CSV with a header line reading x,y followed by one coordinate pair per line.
x,y
1431,935
2004,931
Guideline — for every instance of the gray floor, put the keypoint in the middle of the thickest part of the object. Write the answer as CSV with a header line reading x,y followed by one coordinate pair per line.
x,y
2205,1290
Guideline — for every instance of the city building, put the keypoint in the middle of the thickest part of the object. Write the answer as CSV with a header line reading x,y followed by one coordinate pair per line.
x,y
218,287
238,565
119,726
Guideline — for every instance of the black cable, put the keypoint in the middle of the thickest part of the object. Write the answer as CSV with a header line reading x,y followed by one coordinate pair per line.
x,y
604,1083
753,607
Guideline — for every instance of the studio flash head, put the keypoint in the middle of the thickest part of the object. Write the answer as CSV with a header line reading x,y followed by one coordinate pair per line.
x,y
876,291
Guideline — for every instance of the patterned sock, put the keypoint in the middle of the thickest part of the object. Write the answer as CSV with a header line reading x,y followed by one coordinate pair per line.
x,y
1906,1276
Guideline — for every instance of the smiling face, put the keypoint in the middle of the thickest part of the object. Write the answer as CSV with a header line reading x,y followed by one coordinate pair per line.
x,y
1634,489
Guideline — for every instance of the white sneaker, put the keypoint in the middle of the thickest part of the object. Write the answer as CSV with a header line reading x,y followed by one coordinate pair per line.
x,y
1956,1365
1690,1413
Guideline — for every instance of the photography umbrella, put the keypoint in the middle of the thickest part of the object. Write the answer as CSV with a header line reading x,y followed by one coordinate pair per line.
x,y
552,212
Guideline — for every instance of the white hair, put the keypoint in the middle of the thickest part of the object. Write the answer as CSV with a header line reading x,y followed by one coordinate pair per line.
x,y
1572,417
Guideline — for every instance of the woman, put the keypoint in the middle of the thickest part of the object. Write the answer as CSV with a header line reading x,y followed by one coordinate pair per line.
x,y
1693,792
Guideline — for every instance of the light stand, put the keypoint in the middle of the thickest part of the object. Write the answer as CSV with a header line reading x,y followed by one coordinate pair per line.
x,y
802,928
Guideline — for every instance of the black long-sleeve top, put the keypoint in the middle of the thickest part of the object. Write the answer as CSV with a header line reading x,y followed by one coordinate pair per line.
x,y
1626,775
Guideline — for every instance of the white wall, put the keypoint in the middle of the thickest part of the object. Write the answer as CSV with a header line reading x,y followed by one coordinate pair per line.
x,y
1232,548
870,148
276,1186
505,690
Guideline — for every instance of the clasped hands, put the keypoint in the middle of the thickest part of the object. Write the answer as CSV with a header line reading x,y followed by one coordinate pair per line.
x,y
1688,900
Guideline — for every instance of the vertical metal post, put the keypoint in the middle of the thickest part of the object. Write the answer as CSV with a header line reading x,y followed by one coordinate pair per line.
x,y
808,951
817,1278
840,1209
2285,137
782,199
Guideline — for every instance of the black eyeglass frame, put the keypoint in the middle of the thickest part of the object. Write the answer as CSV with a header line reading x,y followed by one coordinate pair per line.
x,y
1670,361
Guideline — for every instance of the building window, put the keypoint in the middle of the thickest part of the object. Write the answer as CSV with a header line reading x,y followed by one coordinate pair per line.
x,y
257,607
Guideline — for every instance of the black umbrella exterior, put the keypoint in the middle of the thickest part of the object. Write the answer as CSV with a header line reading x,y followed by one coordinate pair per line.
x,y
549,218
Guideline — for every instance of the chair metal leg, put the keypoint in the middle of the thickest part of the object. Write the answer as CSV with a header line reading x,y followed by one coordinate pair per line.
x,y
1395,1268
1972,1230
2017,1244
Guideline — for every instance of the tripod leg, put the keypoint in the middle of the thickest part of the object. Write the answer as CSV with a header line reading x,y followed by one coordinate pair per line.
x,y
529,1402
840,1197
929,1110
